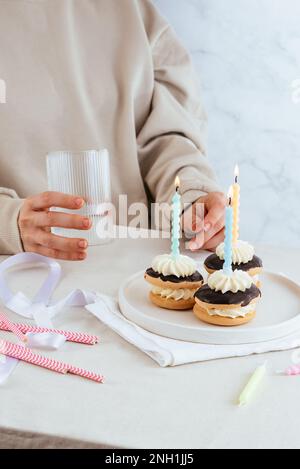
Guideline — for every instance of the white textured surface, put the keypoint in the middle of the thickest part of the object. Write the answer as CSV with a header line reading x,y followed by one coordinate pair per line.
x,y
142,405
246,55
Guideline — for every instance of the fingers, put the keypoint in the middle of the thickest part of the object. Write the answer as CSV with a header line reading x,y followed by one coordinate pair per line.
x,y
58,247
215,211
197,242
35,222
62,220
204,219
192,219
55,199
215,229
212,244
56,254
202,238
60,243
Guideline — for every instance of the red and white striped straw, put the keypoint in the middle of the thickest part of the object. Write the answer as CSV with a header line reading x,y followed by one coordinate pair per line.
x,y
78,337
27,355
11,327
86,374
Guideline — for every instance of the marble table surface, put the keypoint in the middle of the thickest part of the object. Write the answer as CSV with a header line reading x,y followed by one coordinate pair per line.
x,y
247,61
142,405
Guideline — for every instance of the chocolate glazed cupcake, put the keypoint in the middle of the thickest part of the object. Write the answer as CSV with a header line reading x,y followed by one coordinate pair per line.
x,y
227,300
243,258
174,281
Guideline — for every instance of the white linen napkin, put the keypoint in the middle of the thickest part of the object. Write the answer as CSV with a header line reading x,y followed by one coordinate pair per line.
x,y
170,352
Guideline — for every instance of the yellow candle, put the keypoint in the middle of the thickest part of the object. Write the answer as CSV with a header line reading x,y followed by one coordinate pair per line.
x,y
252,385
236,205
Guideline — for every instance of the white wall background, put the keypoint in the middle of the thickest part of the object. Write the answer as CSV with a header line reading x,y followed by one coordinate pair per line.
x,y
247,55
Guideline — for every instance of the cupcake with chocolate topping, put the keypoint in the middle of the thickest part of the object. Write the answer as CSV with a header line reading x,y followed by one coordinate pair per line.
x,y
227,299
174,281
243,258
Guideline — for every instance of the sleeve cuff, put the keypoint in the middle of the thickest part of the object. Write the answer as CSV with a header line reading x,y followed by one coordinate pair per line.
x,y
189,197
10,240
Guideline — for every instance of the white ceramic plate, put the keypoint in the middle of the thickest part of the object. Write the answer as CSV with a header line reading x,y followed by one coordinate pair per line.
x,y
278,314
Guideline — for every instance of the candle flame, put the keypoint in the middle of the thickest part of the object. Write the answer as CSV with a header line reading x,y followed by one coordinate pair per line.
x,y
230,195
177,182
236,173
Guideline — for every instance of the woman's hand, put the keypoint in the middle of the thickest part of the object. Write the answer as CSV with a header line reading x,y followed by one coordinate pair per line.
x,y
36,219
206,220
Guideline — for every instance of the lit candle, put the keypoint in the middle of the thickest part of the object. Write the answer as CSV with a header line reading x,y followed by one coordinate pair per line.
x,y
176,211
227,267
236,205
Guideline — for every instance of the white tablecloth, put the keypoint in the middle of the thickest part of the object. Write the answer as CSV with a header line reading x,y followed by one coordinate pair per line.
x,y
142,405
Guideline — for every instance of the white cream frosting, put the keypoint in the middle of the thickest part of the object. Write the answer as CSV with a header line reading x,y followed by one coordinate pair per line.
x,y
237,281
180,294
242,252
232,313
181,266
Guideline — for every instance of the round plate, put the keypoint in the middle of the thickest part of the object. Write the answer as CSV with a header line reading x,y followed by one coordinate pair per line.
x,y
278,314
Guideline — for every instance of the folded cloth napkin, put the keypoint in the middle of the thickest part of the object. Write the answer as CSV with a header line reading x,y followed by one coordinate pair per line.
x,y
170,352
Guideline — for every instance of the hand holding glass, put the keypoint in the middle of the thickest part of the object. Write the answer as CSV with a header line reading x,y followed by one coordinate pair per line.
x,y
85,174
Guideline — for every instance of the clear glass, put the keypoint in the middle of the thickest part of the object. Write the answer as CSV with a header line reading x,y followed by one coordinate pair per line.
x,y
85,174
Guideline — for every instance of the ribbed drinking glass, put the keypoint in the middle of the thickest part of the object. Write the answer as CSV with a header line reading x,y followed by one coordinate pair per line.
x,y
85,174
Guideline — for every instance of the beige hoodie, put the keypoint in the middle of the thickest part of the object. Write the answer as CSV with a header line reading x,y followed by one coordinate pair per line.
x,y
84,74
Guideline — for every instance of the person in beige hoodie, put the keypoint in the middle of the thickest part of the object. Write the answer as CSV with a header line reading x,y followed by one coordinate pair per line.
x,y
93,74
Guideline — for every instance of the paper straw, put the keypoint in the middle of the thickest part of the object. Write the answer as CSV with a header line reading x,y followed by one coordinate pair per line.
x,y
86,374
78,337
26,354
252,385
11,327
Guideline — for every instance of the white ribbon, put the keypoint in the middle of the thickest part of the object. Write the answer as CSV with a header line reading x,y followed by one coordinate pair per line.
x,y
39,308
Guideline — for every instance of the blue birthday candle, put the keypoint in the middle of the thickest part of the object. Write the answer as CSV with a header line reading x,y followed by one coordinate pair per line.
x,y
176,210
227,267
